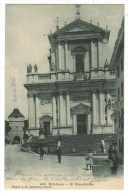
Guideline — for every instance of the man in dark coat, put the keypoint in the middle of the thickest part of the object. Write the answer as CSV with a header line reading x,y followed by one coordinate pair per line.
x,y
41,153
114,162
59,154
110,152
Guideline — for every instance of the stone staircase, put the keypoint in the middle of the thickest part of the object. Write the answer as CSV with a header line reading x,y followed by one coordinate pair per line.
x,y
79,144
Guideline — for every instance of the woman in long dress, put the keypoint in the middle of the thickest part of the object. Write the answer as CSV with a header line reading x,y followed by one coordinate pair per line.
x,y
89,159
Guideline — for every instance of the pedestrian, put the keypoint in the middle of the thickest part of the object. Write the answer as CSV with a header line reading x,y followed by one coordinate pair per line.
x,y
110,152
115,150
41,153
89,159
59,154
114,162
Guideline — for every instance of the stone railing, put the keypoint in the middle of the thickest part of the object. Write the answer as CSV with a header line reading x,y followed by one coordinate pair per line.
x,y
67,76
102,74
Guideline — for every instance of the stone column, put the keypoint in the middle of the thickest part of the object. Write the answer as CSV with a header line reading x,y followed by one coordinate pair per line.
x,y
67,109
101,107
60,109
94,106
37,109
92,55
54,110
74,124
99,53
31,110
59,56
53,61
66,55
108,111
29,116
85,63
89,123
74,64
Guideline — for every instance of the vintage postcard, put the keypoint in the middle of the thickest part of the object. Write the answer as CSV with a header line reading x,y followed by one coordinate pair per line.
x,y
64,96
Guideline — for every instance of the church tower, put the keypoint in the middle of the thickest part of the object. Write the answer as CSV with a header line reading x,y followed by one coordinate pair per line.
x,y
16,122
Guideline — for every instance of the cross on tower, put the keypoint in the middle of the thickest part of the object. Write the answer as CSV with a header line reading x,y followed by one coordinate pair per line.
x,y
57,21
77,12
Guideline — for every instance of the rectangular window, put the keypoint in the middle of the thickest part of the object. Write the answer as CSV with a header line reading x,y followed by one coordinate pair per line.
x,y
118,94
122,89
105,118
79,63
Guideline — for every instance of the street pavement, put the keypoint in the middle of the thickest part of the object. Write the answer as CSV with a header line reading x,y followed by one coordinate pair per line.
x,y
25,170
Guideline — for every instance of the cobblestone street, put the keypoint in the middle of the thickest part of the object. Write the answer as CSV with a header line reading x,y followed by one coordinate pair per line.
x,y
28,171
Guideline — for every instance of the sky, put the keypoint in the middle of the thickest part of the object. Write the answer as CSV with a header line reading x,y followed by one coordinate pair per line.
x,y
26,41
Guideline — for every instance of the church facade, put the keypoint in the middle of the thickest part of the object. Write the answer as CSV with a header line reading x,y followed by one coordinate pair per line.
x,y
72,98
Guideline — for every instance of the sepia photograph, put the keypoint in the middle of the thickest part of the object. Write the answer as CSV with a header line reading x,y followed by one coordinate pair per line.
x,y
64,97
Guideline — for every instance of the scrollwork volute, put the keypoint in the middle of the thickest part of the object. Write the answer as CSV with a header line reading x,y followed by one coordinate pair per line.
x,y
30,95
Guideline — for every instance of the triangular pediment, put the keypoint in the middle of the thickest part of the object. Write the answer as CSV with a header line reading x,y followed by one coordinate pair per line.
x,y
79,25
81,108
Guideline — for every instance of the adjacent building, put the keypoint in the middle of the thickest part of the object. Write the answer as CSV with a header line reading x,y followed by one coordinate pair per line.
x,y
72,98
117,62
16,123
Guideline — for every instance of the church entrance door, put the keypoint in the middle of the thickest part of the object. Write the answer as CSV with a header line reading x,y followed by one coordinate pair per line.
x,y
47,128
81,124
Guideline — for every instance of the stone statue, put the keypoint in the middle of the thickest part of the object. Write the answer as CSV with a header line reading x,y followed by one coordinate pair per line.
x,y
52,67
106,64
35,68
29,68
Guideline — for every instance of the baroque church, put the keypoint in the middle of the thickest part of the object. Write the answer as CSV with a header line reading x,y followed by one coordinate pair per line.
x,y
72,98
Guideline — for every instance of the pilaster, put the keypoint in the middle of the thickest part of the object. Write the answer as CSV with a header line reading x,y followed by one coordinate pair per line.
x,y
54,110
66,55
99,53
94,106
92,54
101,107
74,63
74,124
37,109
60,109
59,56
31,110
67,109
89,123
108,111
